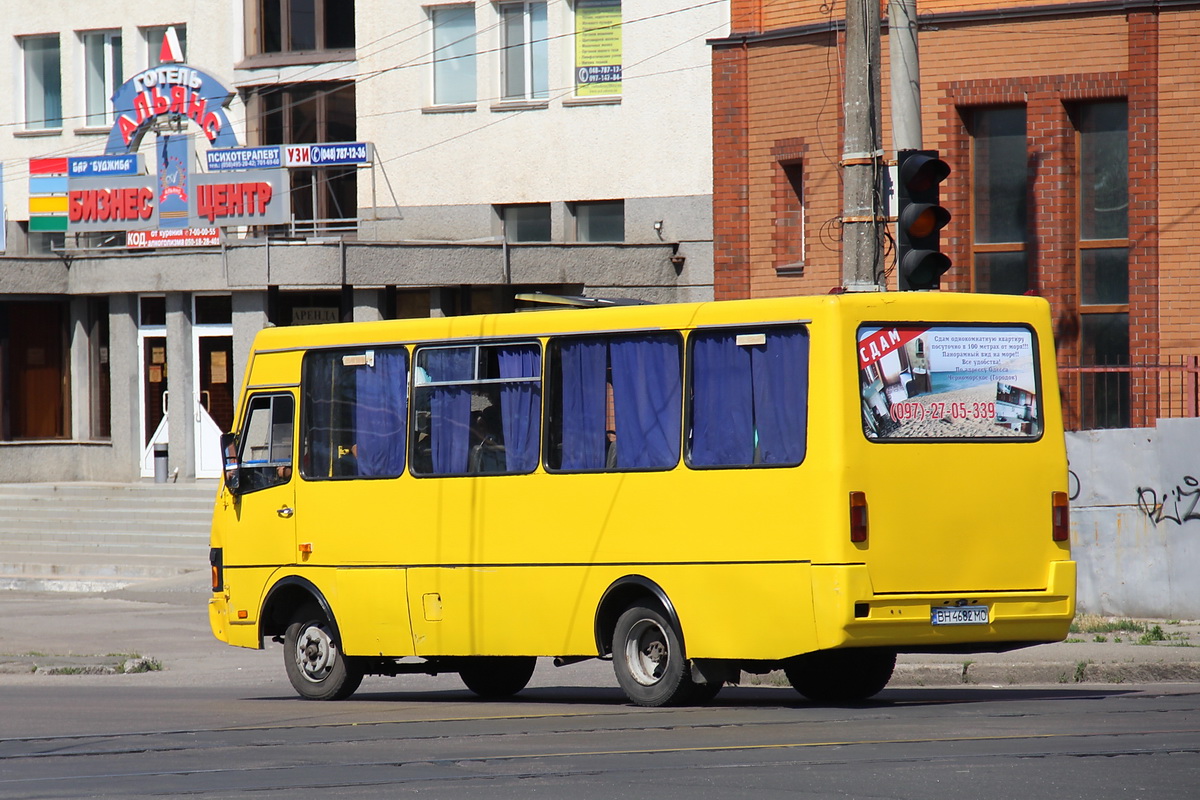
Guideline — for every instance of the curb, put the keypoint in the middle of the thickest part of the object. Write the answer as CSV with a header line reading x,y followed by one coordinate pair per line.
x,y
1050,672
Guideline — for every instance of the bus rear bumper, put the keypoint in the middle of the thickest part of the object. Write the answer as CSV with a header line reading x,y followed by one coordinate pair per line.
x,y
849,614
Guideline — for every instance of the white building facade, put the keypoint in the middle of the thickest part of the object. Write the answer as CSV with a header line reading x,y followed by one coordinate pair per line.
x,y
516,147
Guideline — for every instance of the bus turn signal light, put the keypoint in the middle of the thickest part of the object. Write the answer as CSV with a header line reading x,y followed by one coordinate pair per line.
x,y
1060,517
858,516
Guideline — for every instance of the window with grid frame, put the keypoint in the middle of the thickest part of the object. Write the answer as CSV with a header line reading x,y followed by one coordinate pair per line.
x,y
154,40
323,198
1102,258
524,51
43,82
453,54
303,26
999,187
102,52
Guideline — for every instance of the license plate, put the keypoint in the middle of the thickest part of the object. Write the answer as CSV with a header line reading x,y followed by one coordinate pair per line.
x,y
958,615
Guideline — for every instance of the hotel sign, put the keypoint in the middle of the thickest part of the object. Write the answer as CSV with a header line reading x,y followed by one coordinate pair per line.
x,y
174,90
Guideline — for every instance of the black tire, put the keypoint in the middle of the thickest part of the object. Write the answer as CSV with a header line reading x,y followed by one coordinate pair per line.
x,y
496,677
315,663
703,693
840,676
649,660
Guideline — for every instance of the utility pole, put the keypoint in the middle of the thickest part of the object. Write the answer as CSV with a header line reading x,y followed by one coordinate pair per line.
x,y
863,217
905,73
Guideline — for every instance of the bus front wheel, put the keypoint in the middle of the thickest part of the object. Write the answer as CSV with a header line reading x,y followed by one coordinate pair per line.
x,y
840,676
315,663
495,677
648,658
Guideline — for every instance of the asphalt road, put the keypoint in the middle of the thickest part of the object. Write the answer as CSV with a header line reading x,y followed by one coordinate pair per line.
x,y
221,722
127,741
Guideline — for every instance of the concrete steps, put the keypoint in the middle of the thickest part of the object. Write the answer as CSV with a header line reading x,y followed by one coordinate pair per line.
x,y
87,537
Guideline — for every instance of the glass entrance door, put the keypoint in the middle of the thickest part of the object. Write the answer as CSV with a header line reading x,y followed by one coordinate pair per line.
x,y
152,366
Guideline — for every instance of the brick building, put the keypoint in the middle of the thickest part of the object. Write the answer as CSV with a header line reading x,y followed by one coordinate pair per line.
x,y
1066,125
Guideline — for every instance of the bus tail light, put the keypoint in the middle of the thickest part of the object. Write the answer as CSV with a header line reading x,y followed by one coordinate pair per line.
x,y
216,561
858,516
1060,517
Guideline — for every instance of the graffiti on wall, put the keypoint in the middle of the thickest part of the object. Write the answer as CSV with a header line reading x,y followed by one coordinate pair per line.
x,y
1179,505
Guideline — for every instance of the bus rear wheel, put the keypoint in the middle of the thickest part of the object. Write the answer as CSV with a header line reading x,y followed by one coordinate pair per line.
x,y
315,663
648,658
840,676
495,677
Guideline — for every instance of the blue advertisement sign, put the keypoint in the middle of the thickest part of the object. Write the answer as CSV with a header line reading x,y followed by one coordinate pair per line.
x,y
244,158
95,166
319,155
173,154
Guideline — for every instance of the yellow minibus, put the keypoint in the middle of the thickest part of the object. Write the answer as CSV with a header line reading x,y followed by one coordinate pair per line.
x,y
694,491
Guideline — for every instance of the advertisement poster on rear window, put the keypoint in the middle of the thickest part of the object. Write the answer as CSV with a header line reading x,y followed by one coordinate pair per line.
x,y
948,382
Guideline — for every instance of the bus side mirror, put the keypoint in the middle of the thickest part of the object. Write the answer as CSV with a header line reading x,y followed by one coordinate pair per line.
x,y
233,469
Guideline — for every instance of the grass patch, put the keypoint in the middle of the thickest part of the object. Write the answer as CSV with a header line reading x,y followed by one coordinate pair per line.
x,y
138,664
1091,623
1072,640
1099,637
1152,635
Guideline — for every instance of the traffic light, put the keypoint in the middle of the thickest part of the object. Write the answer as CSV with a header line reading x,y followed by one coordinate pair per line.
x,y
919,261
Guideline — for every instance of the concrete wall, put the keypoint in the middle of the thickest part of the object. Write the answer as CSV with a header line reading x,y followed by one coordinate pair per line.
x,y
1135,519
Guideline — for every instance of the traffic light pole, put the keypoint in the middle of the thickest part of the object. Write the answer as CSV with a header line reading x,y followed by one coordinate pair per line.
x,y
905,74
863,218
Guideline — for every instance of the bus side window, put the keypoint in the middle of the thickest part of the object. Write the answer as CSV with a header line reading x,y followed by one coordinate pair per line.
x,y
616,403
266,442
748,397
477,409
355,413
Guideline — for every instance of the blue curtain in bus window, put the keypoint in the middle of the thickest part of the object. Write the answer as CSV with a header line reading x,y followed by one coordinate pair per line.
x,y
722,402
583,366
520,407
646,401
781,396
380,414
314,452
450,409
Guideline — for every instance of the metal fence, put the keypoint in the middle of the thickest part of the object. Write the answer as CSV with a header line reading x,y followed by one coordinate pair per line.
x,y
1129,395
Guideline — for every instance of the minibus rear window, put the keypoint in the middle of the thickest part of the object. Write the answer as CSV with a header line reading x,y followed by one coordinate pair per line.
x,y
956,382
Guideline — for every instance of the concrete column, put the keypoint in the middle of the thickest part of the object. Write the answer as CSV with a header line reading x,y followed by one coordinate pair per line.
x,y
81,372
249,317
126,386
181,384
368,305
437,301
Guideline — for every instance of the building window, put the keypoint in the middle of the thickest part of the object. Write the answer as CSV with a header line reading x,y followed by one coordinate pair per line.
x,y
98,361
789,217
601,221
526,223
43,83
324,199
154,41
524,51
298,26
1103,258
102,75
597,47
33,359
999,186
453,54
